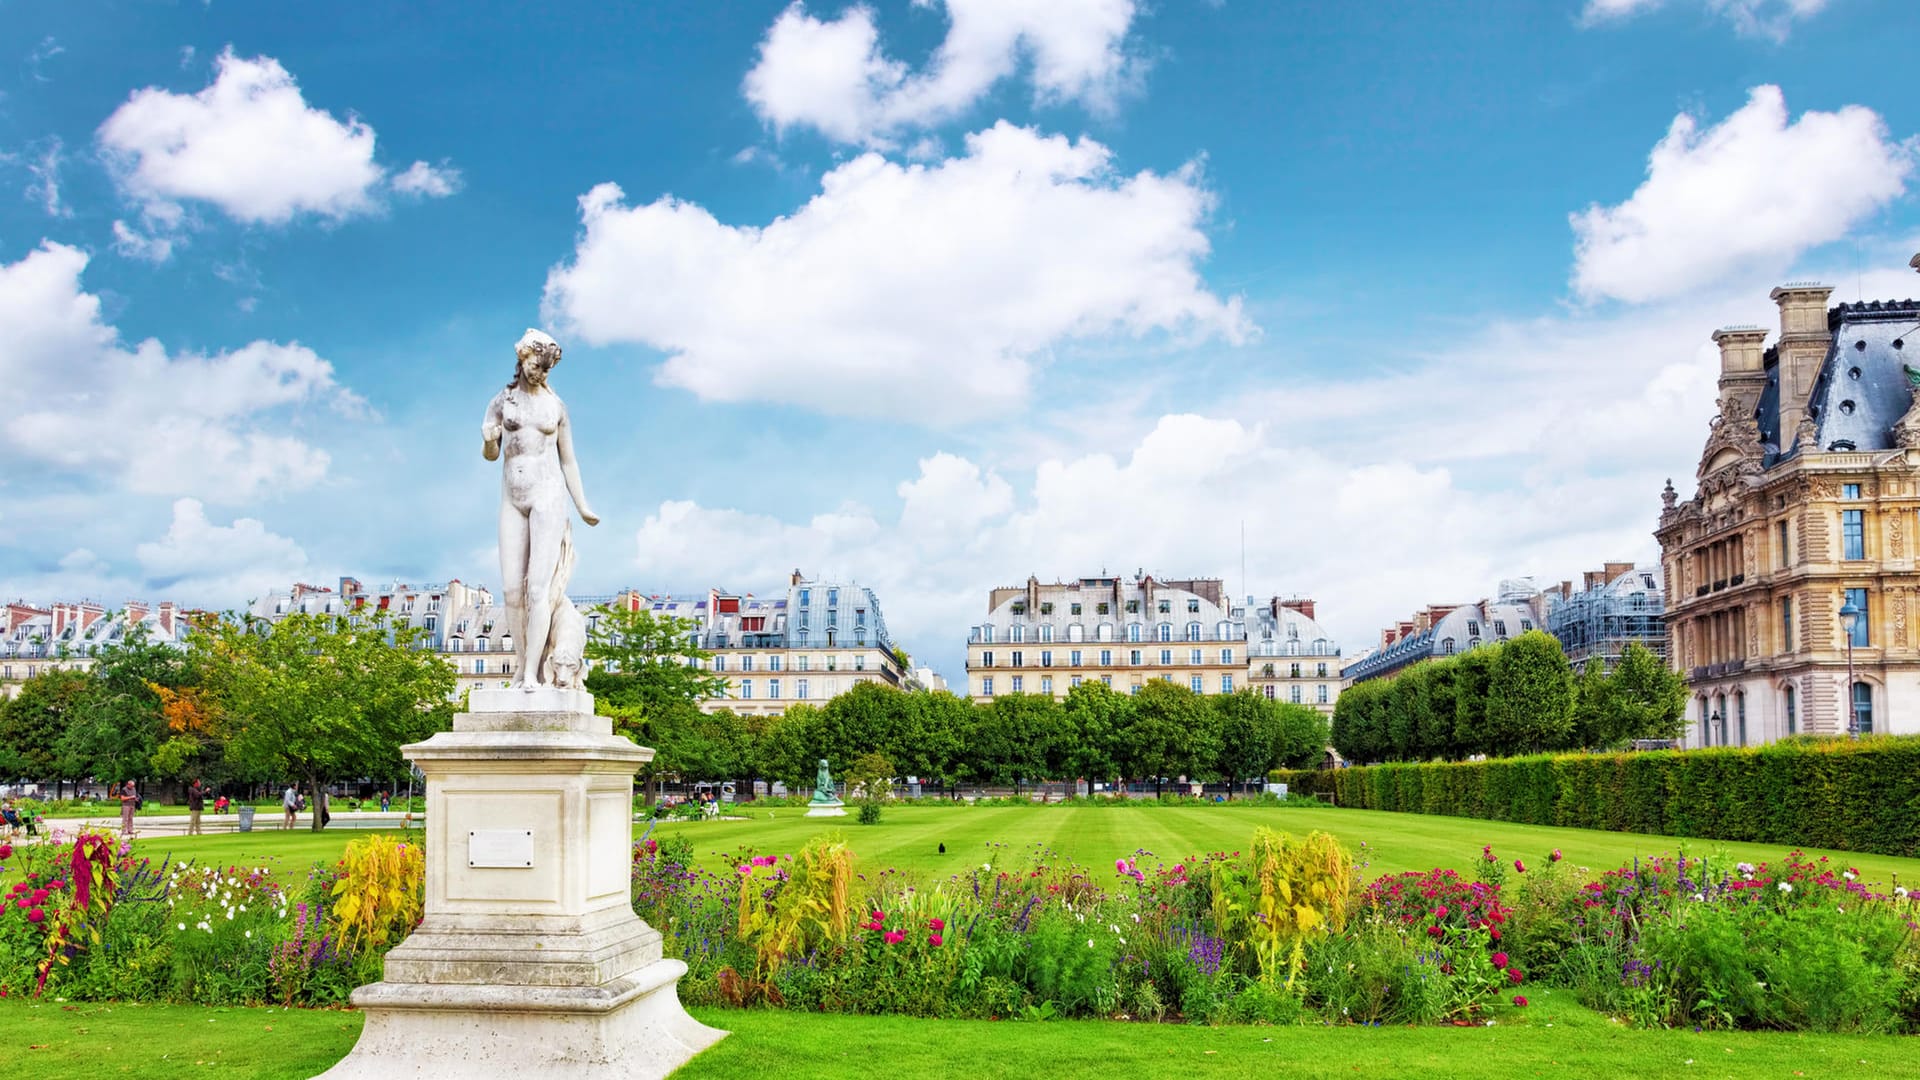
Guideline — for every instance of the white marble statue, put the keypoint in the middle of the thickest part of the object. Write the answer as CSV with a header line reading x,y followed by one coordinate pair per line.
x,y
527,426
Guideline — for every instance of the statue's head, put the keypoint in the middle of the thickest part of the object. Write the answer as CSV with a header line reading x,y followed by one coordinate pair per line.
x,y
823,763
535,354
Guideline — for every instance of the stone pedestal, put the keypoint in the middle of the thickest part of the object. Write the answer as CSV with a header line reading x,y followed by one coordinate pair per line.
x,y
529,957
826,808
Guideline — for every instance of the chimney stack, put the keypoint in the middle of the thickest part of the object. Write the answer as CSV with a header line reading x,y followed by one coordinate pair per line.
x,y
1804,340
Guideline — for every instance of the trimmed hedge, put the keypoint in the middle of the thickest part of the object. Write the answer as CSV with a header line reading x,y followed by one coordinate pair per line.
x,y
1826,793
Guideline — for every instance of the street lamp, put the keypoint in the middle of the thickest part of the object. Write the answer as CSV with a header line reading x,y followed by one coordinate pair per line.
x,y
1713,726
1850,618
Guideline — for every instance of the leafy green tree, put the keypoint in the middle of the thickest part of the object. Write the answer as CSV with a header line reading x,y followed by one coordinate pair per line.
x,y
1094,717
1594,715
1648,698
1472,674
316,697
1252,736
1409,710
648,675
1530,696
939,730
787,752
115,735
870,717
1015,737
1360,732
1437,736
1170,733
1303,736
33,724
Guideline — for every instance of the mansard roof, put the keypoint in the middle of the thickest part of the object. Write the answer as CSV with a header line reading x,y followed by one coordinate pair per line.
x,y
1863,388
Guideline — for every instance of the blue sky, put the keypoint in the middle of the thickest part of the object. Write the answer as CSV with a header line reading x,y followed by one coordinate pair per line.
x,y
931,295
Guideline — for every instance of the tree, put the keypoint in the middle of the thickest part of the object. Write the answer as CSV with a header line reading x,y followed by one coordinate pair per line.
x,y
1530,696
317,697
1015,737
1169,734
939,730
1252,734
648,676
1409,715
1594,717
1359,733
114,737
869,718
786,752
1648,698
33,724
1303,736
1093,718
1472,673
1437,734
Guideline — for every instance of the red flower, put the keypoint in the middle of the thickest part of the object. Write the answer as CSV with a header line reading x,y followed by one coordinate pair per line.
x,y
1440,912
1515,975
6,851
1520,1000
1499,959
1519,866
1495,933
936,925
894,937
934,939
1434,931
39,897
36,915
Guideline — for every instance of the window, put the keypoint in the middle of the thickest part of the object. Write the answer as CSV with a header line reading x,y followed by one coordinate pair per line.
x,y
1862,633
1076,632
1500,628
1019,634
1293,693
1786,624
1133,631
1133,657
1046,632
1320,670
1165,631
1849,491
986,659
1853,534
1101,608
1226,656
1446,646
1196,685
1073,658
800,662
773,688
746,688
1473,628
1293,671
773,663
1166,606
1193,605
1106,680
1270,690
1793,720
1526,625
1046,684
1046,657
1863,708
1740,717
1106,657
1193,631
1166,656
859,616
1226,684
1046,609
1019,659
804,594
986,686
986,633
833,597
719,663
1076,680
480,665
800,689
1781,556
1016,684
1133,608
833,620
1019,607
746,663
1193,657
1073,609
1321,694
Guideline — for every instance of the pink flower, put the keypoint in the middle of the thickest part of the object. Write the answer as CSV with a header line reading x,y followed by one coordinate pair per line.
x,y
936,925
1499,959
894,937
1555,857
1515,975
1520,866
1440,912
39,897
879,917
934,940
36,915
1119,866
6,851
1495,934
1434,931
56,883
1520,1000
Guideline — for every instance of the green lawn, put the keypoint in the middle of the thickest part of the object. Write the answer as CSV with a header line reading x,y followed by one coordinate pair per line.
x,y
909,839
1552,1037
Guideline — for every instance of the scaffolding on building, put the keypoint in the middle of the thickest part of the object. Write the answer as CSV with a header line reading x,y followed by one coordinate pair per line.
x,y
1603,619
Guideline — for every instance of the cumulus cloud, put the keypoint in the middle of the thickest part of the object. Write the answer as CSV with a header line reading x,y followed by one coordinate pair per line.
x,y
137,417
925,291
1772,19
202,563
428,181
250,146
1749,194
834,75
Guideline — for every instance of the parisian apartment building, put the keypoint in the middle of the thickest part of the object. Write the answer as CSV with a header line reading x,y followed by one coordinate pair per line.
x,y
1791,571
1047,638
68,634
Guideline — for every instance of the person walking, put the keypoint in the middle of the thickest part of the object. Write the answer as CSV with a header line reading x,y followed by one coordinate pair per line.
x,y
386,802
289,802
129,802
196,802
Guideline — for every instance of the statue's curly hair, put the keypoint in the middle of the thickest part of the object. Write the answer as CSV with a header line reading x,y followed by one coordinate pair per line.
x,y
549,350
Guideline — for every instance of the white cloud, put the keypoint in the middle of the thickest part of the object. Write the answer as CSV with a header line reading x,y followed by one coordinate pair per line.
x,y
1748,195
1772,19
834,75
43,52
138,418
134,244
201,563
249,144
428,181
913,290
45,188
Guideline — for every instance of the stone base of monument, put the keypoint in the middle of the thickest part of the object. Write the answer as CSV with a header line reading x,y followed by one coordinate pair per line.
x,y
530,957
826,808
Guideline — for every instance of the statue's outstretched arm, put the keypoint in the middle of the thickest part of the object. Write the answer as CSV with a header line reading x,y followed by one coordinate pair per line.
x,y
570,469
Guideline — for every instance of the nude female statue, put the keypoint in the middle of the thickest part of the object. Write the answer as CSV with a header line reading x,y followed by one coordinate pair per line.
x,y
528,421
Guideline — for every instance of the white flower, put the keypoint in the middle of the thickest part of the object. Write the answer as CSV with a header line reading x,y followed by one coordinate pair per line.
x,y
1089,943
1900,891
1849,875
1113,927
229,914
1786,886
1745,867
249,933
1701,897
183,926
1123,941
986,866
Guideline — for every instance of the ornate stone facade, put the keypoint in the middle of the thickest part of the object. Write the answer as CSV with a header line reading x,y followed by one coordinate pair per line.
x,y
1781,533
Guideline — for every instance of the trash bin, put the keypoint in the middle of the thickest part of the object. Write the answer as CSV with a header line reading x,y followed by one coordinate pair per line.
x,y
246,818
